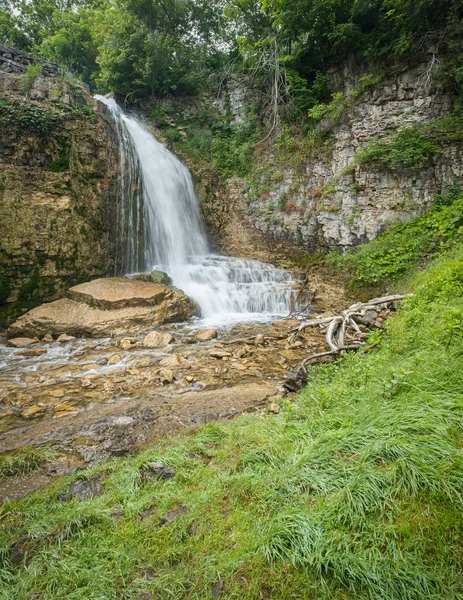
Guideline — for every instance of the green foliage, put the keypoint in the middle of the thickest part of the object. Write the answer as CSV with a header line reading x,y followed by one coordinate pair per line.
x,y
28,117
212,139
410,148
405,246
33,71
61,164
353,491
25,461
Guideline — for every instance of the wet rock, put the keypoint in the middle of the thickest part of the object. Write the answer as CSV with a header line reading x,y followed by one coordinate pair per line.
x,y
290,354
31,352
219,354
296,380
84,489
64,337
157,470
166,376
115,359
32,411
259,340
206,334
160,277
48,339
107,308
20,342
126,343
156,339
190,339
171,361
172,515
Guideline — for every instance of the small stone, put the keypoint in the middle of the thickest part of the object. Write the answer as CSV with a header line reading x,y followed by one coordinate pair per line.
x,y
32,411
84,489
273,408
206,334
172,515
170,361
157,470
41,379
190,340
57,393
114,359
48,339
144,596
87,383
64,337
289,354
217,589
219,354
156,339
166,376
31,352
126,343
259,340
20,342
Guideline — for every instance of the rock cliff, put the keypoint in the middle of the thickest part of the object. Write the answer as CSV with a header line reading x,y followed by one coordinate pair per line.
x,y
58,165
327,198
311,189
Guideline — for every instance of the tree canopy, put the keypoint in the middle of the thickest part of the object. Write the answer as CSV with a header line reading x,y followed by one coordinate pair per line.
x,y
142,48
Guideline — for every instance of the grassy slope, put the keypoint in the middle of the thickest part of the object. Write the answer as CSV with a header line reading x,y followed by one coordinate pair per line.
x,y
355,491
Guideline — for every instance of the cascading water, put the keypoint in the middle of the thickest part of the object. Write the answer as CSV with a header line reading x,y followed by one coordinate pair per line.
x,y
162,229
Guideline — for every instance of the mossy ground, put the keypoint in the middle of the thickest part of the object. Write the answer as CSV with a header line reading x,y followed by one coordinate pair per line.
x,y
353,491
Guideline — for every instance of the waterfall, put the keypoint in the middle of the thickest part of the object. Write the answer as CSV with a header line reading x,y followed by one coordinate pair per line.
x,y
161,228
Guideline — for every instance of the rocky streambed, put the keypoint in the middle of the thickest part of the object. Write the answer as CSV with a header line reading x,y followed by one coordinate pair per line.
x,y
92,398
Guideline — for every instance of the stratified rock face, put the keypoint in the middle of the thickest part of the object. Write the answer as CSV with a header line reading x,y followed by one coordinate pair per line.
x,y
323,199
58,165
105,308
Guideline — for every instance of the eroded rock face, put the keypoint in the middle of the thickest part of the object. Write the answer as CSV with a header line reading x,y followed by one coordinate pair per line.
x,y
106,308
59,163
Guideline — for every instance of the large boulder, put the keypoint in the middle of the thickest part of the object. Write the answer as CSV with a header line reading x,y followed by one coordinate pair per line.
x,y
106,308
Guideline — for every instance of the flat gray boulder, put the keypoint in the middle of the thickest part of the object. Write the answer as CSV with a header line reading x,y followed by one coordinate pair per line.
x,y
106,308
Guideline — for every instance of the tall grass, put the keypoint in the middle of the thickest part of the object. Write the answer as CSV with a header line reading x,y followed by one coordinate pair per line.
x,y
354,491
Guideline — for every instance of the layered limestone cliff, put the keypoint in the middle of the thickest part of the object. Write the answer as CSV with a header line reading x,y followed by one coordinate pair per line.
x,y
325,199
58,170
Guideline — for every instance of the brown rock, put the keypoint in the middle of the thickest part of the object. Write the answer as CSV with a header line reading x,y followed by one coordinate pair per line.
x,y
32,411
156,339
31,352
259,340
48,339
81,319
19,342
127,343
114,359
64,337
171,361
219,354
166,375
206,334
118,292
57,393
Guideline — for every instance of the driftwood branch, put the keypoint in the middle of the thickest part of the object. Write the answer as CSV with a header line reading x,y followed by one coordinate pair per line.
x,y
343,332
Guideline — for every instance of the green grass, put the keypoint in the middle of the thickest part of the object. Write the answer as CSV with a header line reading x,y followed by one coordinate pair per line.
x,y
354,491
24,461
405,246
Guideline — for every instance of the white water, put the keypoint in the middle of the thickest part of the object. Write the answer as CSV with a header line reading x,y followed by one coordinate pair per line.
x,y
161,228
